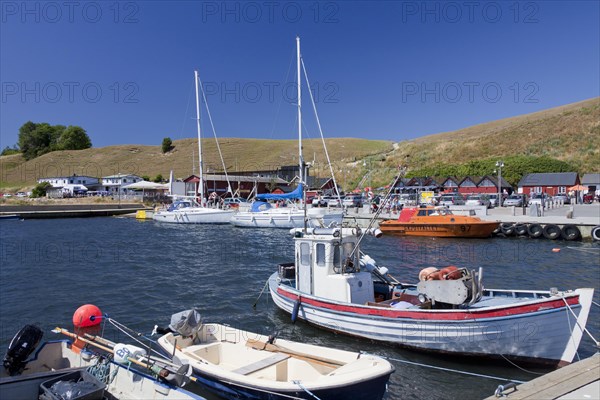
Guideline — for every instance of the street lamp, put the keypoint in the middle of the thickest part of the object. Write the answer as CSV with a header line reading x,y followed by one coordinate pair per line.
x,y
499,166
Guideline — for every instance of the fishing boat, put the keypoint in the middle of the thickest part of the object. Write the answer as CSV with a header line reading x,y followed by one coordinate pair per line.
x,y
186,209
437,222
263,215
65,369
239,364
333,285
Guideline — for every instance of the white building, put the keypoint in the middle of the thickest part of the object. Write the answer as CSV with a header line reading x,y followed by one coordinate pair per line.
x,y
114,183
62,181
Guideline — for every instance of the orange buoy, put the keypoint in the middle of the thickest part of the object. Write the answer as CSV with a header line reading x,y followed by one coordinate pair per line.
x,y
555,250
87,315
426,272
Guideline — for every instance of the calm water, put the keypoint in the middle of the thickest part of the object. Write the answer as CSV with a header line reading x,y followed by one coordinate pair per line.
x,y
140,272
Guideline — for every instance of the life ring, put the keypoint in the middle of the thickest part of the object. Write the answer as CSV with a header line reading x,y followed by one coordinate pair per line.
x,y
507,228
426,272
535,230
551,232
570,232
450,273
520,229
596,233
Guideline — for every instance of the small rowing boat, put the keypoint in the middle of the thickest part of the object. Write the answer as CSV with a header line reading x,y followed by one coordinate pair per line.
x,y
239,364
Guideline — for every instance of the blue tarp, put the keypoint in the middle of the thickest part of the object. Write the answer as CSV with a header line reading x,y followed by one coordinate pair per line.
x,y
296,194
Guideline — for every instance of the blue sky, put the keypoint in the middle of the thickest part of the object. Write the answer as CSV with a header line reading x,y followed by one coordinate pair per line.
x,y
381,70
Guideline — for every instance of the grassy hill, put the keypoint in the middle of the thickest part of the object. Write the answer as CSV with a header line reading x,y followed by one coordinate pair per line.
x,y
568,133
239,155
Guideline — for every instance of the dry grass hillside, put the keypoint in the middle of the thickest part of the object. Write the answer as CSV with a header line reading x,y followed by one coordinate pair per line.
x,y
239,155
569,133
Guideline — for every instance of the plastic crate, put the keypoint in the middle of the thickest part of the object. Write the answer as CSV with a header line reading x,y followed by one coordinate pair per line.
x,y
83,385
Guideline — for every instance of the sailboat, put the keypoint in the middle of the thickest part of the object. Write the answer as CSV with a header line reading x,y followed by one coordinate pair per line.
x,y
293,213
186,210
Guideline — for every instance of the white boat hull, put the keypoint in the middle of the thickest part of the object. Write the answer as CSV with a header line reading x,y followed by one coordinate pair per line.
x,y
283,218
536,330
195,215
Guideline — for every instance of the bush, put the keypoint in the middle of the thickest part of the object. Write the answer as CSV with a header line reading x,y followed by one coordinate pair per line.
x,y
40,189
167,145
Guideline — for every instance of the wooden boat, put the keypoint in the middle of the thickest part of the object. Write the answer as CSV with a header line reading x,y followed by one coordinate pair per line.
x,y
238,364
335,286
437,222
61,362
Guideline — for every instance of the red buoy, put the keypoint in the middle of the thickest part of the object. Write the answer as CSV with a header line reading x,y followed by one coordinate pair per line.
x,y
87,315
450,273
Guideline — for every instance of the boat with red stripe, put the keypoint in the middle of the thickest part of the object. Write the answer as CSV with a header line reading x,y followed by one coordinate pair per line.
x,y
335,286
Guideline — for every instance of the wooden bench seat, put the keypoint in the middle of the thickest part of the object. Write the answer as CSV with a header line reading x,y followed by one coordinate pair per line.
x,y
261,364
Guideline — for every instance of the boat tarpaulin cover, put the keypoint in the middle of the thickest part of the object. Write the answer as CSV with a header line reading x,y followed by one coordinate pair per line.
x,y
187,322
296,194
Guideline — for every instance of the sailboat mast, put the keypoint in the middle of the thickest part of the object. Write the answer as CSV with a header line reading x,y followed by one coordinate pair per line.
x,y
300,158
200,171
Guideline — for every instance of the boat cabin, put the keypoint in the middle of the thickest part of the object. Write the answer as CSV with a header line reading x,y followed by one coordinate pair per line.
x,y
327,266
407,213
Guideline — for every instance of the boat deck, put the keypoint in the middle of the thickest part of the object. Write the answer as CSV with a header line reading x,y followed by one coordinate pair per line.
x,y
580,380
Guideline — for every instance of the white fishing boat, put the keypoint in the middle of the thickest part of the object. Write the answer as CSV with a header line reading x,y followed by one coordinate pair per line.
x,y
187,210
60,369
333,285
238,364
264,215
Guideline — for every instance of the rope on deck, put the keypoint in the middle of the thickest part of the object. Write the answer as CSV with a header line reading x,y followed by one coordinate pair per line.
x,y
580,327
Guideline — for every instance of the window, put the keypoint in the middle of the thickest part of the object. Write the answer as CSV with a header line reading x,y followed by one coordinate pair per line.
x,y
562,189
336,255
304,253
320,254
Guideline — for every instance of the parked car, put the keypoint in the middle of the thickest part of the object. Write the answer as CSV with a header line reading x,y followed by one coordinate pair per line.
x,y
478,200
537,198
494,199
329,201
515,200
352,201
563,197
452,200
21,194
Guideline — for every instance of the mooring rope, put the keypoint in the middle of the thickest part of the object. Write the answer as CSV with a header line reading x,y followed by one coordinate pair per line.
x,y
261,292
305,389
577,322
498,378
521,368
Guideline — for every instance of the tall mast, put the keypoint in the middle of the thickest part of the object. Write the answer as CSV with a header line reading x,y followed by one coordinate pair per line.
x,y
200,171
300,159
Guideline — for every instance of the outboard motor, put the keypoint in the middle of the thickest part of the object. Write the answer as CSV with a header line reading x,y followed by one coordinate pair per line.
x,y
21,346
187,323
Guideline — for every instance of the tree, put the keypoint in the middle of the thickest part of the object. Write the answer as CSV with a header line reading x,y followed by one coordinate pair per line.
x,y
167,145
158,178
146,178
40,189
37,139
10,150
74,138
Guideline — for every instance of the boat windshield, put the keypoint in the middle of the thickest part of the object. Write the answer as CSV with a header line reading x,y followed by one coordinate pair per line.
x,y
434,212
341,254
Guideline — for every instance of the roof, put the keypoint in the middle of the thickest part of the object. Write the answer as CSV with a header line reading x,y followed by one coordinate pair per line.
x,y
237,178
550,179
119,176
147,185
68,177
591,180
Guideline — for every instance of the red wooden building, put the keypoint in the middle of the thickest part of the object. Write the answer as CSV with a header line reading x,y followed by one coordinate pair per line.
x,y
552,183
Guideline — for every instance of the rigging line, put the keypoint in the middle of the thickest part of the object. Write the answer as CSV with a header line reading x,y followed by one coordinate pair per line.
x,y
499,378
321,131
215,135
299,383
123,329
287,75
186,111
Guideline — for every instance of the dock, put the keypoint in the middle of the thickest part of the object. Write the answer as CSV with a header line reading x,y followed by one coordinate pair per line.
x,y
70,210
580,380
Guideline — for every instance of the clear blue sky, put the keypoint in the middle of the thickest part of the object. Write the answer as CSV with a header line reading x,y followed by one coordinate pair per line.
x,y
383,70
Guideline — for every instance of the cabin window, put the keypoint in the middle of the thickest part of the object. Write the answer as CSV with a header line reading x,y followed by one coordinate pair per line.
x,y
336,254
422,213
304,254
320,254
348,247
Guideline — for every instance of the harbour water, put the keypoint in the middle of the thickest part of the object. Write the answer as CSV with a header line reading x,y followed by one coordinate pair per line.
x,y
140,272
